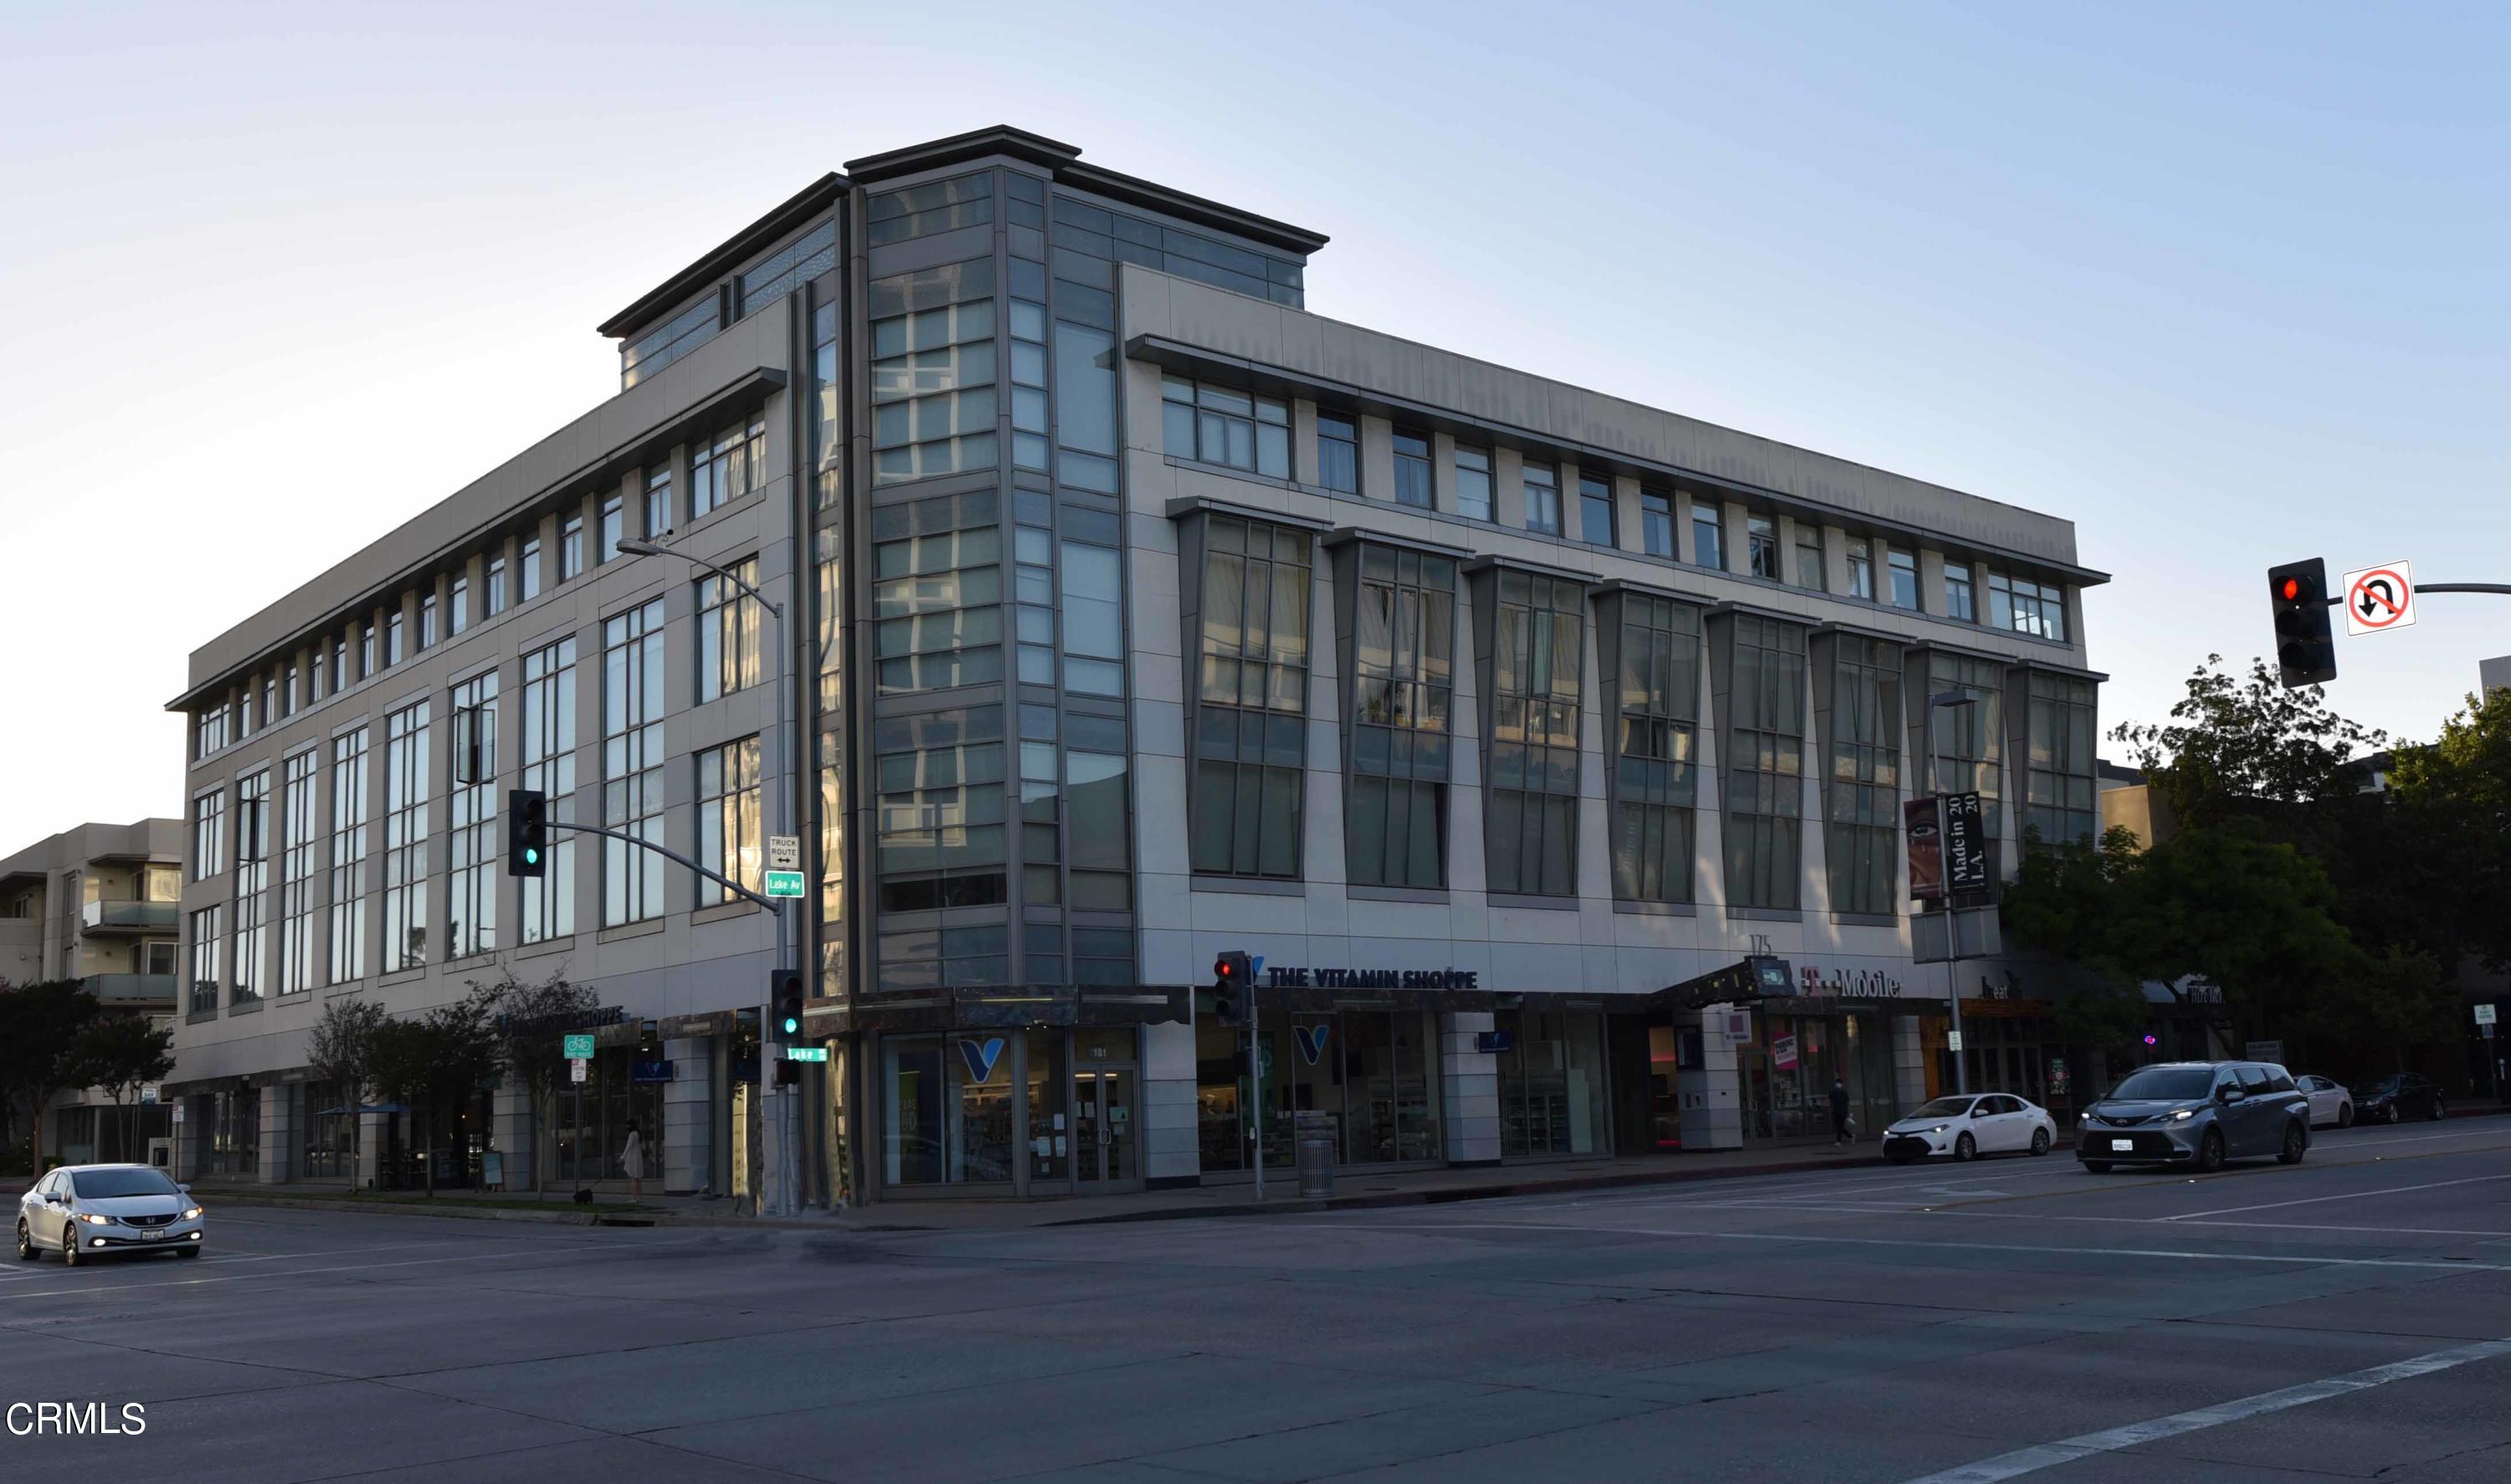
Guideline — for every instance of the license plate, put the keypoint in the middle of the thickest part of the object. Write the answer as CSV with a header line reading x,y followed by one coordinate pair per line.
x,y
2122,1144
152,1236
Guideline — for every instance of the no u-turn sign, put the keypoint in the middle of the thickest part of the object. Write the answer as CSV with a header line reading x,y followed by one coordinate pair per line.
x,y
2380,597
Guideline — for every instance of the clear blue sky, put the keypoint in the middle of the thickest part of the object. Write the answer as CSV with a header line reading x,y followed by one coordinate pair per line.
x,y
2224,287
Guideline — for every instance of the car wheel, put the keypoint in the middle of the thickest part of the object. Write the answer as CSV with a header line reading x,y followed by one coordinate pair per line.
x,y
2210,1151
2389,1115
2295,1143
2439,1112
1964,1149
25,1242
2344,1116
69,1242
2039,1141
2097,1166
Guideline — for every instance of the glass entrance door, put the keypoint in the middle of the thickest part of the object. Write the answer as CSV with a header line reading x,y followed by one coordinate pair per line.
x,y
1104,1129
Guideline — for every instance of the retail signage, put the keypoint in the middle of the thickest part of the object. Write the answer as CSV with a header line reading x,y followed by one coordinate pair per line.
x,y
799,1054
784,853
1496,1040
1965,844
783,883
649,1071
577,1048
1849,984
1312,1040
980,1054
1783,1052
565,1020
1303,978
1926,850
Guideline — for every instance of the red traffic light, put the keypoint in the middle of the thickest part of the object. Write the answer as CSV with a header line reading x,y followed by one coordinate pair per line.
x,y
2291,589
1223,968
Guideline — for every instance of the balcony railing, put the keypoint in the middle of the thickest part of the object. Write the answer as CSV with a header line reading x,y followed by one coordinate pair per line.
x,y
130,916
157,990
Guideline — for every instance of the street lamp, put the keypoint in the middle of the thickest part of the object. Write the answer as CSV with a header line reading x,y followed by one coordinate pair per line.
x,y
785,792
1948,700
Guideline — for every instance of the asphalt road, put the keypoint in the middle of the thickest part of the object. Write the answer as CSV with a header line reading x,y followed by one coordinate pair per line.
x,y
2015,1318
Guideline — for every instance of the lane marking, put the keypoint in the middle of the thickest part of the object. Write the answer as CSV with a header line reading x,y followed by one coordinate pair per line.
x,y
2024,1461
2312,1200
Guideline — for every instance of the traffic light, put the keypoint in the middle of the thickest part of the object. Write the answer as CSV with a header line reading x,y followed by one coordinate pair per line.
x,y
2305,653
789,1073
526,832
784,994
1233,989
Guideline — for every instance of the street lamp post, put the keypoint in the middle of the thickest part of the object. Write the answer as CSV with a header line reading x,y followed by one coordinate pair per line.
x,y
1948,700
785,807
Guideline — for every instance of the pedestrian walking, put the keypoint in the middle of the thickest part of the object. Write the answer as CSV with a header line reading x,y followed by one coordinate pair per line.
x,y
631,1162
1839,1129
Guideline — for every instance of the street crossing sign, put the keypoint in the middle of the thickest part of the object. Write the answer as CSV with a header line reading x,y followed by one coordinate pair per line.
x,y
783,883
2380,597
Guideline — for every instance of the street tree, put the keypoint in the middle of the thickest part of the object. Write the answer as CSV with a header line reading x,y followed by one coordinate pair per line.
x,y
526,1017
37,1022
2453,808
2234,744
121,1053
434,1063
340,1049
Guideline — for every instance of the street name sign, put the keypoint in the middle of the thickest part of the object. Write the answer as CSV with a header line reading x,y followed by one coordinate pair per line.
x,y
807,1053
783,883
2380,597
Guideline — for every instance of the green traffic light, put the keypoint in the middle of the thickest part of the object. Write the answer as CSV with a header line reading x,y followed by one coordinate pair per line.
x,y
531,857
792,1024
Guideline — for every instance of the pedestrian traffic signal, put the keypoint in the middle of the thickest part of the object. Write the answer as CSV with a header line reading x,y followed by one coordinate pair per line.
x,y
1233,989
526,832
2305,652
784,994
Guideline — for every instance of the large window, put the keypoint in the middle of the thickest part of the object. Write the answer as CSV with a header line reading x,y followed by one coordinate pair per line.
x,y
1708,538
1094,604
1764,746
1403,677
476,856
1761,540
614,529
727,466
941,811
1542,484
1413,469
1473,483
658,501
2026,607
1098,834
1904,579
937,206
349,856
570,548
790,266
728,830
670,340
299,798
1338,452
1531,797
1596,523
548,906
208,835
1861,568
527,570
1250,713
1809,563
252,881
1655,770
492,587
2062,804
405,786
1864,784
1656,523
209,730
933,371
1084,394
1032,446
208,943
1219,425
632,763
1958,602
937,592
728,631
1967,743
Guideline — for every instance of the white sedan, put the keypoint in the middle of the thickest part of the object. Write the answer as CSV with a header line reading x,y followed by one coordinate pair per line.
x,y
2331,1104
1971,1125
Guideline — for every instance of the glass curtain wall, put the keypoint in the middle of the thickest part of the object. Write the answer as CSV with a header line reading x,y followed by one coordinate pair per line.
x,y
1552,1083
1402,670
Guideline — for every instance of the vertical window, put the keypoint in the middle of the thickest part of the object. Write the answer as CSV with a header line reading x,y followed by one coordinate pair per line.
x,y
728,633
406,785
1861,568
270,711
1413,469
366,665
1472,484
632,763
941,812
1764,823
1958,602
427,622
458,612
1093,604
1404,676
1809,566
1251,711
658,501
209,936
1595,511
937,592
1656,523
1762,542
1543,499
492,585
727,466
291,694
570,547
614,525
349,856
549,767
1654,771
2026,607
252,882
1032,448
209,730
1217,425
933,371
1099,830
340,664
1033,584
393,652
1862,838
2061,805
1531,797
1085,402
476,853
527,561
208,835
728,832
1967,743
1337,452
298,800
1708,539
1903,566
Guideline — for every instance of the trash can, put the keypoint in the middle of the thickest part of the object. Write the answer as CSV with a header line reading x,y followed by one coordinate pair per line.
x,y
1315,1156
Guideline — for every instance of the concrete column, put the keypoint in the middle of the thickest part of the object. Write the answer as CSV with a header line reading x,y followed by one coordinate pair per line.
x,y
1737,523
1508,489
1377,458
1442,472
1468,1088
1834,559
191,1138
1711,1094
1908,1062
688,1117
1170,1155
274,1163
1931,580
514,1134
1303,440
1629,529
371,1149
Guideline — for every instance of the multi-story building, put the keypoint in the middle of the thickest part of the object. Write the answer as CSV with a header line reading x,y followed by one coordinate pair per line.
x,y
95,903
1139,616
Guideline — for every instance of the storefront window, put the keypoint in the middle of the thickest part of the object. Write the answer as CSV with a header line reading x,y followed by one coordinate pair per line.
x,y
591,1120
1050,1141
1787,1070
328,1128
948,1109
1552,1083
1372,1070
235,1137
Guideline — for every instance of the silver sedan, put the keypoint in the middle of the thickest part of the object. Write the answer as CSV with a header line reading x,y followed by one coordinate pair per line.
x,y
83,1211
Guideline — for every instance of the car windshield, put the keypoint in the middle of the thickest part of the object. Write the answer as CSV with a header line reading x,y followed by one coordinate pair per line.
x,y
2383,1084
105,1185
2172,1084
1944,1108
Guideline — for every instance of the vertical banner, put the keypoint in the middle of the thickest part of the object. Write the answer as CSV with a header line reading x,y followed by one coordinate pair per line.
x,y
1966,863
1927,850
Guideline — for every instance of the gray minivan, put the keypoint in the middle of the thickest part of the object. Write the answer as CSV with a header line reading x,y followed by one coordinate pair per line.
x,y
2198,1113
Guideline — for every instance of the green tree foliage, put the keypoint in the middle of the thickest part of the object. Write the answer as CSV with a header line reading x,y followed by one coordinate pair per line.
x,y
527,1016
37,1022
435,1062
120,1053
2232,745
2452,811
